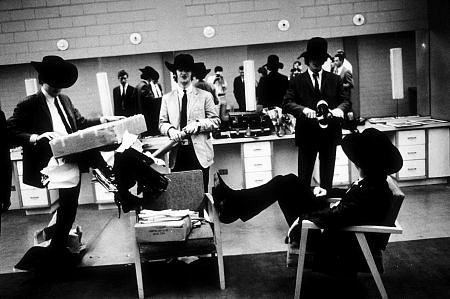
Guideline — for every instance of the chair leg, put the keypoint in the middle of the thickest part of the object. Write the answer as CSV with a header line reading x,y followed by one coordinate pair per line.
x,y
372,266
138,268
301,263
221,266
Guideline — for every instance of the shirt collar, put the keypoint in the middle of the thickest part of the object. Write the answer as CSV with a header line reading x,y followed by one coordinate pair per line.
x,y
188,89
48,97
319,73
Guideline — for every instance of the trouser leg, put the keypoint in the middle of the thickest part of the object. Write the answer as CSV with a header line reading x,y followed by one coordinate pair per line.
x,y
65,217
187,160
307,154
327,157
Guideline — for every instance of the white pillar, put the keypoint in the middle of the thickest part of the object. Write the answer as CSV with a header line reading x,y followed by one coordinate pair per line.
x,y
249,83
31,86
105,94
396,73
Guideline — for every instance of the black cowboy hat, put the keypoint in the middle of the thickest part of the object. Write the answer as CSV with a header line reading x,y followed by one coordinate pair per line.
x,y
373,152
316,48
149,72
200,70
56,72
273,62
181,61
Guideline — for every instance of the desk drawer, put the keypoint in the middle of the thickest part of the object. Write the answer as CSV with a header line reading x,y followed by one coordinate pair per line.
x,y
412,169
34,198
254,179
258,164
341,158
411,137
341,175
412,152
256,149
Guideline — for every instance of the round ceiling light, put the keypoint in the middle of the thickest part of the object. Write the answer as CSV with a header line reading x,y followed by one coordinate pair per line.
x,y
359,19
209,31
62,44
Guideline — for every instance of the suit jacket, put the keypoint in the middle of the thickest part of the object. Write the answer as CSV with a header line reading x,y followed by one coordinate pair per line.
x,y
124,105
301,95
5,162
32,116
272,89
148,105
239,92
200,109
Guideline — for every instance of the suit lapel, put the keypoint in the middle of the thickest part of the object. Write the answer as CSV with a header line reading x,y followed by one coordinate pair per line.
x,y
307,78
68,111
324,81
42,101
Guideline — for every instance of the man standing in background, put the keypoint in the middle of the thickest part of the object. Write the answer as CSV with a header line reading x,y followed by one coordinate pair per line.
x,y
123,96
346,75
273,86
220,84
239,89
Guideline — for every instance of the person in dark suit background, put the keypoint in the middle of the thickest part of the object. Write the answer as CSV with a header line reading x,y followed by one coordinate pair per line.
x,y
346,75
123,96
147,95
305,91
198,74
239,89
272,87
38,119
5,168
366,202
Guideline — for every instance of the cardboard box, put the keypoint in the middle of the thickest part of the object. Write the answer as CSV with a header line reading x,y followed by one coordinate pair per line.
x,y
164,231
97,136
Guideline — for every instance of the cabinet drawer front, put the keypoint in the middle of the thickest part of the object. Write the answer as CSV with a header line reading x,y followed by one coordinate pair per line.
x,y
34,198
254,179
341,175
411,137
412,152
341,158
412,168
258,164
256,149
102,195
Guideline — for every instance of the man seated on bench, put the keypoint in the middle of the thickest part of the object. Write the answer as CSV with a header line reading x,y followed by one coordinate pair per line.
x,y
366,201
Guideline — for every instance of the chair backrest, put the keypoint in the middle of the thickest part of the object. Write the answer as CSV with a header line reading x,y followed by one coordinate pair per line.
x,y
185,191
397,199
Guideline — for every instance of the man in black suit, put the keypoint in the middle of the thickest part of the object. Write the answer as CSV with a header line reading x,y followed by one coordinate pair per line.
x,y
272,87
5,168
305,92
42,117
123,96
239,89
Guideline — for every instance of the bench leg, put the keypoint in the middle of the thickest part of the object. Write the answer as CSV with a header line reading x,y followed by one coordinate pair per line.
x,y
372,266
301,262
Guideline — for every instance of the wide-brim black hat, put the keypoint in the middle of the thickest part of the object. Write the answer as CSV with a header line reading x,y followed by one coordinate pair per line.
x,y
373,152
150,72
316,49
56,72
181,62
200,70
273,62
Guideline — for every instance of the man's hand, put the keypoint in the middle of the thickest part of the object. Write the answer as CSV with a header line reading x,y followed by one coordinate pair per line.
x,y
337,112
107,119
318,191
309,112
47,135
4,206
175,135
192,128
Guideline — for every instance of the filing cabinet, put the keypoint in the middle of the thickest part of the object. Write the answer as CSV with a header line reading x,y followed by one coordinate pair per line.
x,y
412,147
257,158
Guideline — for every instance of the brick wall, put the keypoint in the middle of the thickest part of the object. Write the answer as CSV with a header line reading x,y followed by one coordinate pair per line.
x,y
30,28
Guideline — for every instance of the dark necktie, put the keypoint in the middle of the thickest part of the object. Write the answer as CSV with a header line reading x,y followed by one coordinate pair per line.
x,y
183,114
317,94
122,97
63,118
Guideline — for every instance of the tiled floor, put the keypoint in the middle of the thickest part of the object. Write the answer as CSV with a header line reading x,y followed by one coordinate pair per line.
x,y
424,214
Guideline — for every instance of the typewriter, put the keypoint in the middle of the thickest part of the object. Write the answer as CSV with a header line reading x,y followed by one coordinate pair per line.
x,y
245,124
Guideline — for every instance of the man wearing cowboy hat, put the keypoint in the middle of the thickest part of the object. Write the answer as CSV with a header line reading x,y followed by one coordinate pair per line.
x,y
273,86
199,75
147,95
306,91
366,201
42,117
189,111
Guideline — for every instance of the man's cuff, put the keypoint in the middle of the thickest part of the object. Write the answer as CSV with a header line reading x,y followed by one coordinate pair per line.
x,y
33,138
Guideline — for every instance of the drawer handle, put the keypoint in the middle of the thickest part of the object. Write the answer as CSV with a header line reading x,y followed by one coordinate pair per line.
x,y
257,149
257,164
411,138
414,168
412,153
258,180
34,197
